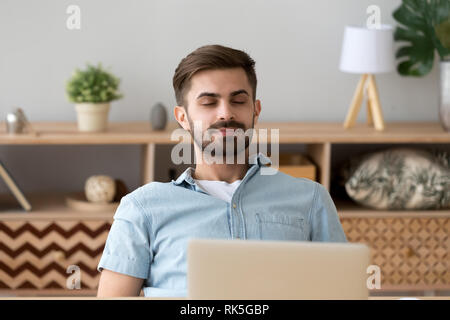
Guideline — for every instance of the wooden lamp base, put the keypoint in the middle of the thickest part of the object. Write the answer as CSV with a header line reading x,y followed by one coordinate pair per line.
x,y
374,114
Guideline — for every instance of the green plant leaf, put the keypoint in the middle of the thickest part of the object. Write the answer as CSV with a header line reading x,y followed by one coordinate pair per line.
x,y
94,84
403,52
418,19
406,16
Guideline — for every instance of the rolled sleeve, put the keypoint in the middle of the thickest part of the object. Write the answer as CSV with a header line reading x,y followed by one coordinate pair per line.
x,y
127,249
324,218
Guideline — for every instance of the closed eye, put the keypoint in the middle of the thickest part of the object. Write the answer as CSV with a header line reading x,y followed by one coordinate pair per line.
x,y
213,103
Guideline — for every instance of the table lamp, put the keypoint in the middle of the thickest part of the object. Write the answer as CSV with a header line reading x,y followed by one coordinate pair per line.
x,y
367,51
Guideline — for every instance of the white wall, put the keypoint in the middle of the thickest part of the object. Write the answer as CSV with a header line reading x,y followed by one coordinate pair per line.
x,y
296,45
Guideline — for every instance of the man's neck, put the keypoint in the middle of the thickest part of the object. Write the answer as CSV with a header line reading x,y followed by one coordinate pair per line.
x,y
221,172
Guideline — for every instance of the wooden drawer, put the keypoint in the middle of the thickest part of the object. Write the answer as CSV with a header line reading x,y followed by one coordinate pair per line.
x,y
37,254
412,253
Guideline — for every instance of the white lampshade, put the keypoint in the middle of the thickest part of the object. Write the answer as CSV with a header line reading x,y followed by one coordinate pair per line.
x,y
367,50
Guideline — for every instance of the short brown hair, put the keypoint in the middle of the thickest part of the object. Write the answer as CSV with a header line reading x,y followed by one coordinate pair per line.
x,y
211,57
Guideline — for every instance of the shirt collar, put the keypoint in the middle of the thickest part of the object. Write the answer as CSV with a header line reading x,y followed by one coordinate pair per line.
x,y
258,159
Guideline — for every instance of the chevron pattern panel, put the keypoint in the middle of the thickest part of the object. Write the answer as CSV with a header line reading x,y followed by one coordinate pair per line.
x,y
37,254
411,252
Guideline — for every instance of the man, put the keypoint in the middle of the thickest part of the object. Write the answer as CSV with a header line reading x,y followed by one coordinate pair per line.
x,y
215,89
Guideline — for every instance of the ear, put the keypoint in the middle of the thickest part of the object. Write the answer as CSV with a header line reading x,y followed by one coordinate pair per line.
x,y
181,117
257,110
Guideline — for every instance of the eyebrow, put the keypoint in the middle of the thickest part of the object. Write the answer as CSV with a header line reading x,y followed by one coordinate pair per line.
x,y
216,95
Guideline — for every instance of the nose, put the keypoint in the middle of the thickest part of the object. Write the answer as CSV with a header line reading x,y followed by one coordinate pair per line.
x,y
225,112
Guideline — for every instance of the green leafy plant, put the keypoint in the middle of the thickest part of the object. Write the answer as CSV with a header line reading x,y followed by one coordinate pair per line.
x,y
93,85
424,24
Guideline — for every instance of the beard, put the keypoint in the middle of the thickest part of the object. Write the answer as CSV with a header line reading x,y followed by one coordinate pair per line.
x,y
231,146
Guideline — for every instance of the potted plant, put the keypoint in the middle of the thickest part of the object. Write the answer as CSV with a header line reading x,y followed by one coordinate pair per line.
x,y
425,25
92,91
426,28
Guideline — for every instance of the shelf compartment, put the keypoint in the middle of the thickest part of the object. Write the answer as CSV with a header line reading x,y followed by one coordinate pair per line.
x,y
46,206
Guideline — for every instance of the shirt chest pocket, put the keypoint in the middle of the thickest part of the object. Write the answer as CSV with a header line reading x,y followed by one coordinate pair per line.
x,y
280,227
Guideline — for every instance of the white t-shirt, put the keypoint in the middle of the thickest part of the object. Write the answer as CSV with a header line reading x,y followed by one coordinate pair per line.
x,y
220,189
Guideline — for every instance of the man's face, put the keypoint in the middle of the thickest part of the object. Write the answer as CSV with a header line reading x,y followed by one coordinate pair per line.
x,y
219,99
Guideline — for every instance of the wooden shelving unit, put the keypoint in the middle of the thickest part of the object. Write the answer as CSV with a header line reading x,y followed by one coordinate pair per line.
x,y
411,247
46,206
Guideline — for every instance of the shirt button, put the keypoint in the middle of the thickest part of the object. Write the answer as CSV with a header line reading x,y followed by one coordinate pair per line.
x,y
234,205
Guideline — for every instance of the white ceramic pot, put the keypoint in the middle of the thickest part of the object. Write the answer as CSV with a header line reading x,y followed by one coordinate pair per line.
x,y
444,100
92,117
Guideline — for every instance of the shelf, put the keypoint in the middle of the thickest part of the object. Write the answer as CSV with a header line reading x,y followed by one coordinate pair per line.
x,y
67,133
46,206
413,253
349,209
290,132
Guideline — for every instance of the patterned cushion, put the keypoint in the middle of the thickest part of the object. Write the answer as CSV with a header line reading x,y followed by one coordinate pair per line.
x,y
400,178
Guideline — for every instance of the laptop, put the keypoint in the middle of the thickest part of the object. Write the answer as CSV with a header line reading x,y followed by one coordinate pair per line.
x,y
288,270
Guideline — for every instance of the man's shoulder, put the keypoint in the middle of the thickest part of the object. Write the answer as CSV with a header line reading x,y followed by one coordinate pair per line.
x,y
144,200
153,190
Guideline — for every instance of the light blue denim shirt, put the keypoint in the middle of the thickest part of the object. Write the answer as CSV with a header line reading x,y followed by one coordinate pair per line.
x,y
152,225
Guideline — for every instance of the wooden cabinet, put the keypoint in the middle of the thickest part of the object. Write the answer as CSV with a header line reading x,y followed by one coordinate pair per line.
x,y
42,250
36,248
411,248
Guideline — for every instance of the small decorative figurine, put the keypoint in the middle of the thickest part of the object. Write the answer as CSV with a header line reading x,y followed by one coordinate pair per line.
x,y
100,189
158,117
